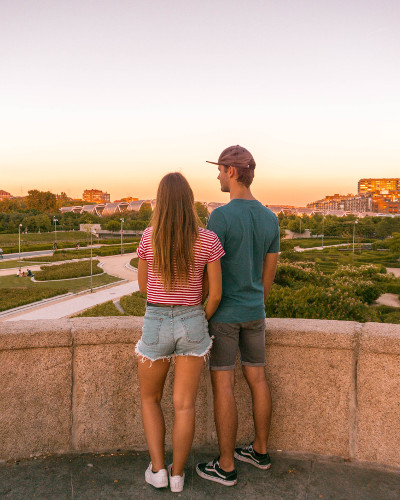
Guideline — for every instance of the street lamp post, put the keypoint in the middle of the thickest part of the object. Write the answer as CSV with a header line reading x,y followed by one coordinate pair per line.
x,y
91,260
354,234
19,246
122,232
55,232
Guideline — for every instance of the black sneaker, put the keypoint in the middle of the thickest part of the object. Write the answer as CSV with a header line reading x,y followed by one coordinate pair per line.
x,y
250,456
213,472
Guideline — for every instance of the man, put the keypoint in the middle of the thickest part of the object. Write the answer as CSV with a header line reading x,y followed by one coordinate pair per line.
x,y
249,233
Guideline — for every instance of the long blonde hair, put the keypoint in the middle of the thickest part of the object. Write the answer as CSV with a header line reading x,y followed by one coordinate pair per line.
x,y
175,231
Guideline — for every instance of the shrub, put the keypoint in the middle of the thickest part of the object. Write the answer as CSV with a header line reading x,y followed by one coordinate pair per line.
x,y
367,290
67,270
296,274
387,314
134,262
316,302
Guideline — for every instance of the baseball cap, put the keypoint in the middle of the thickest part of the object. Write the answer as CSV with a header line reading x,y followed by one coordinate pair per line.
x,y
235,156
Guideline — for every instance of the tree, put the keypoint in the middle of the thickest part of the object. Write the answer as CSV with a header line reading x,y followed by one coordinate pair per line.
x,y
112,225
145,212
296,225
202,211
394,243
41,200
43,223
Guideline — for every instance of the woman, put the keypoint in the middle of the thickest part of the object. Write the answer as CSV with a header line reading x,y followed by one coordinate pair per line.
x,y
173,256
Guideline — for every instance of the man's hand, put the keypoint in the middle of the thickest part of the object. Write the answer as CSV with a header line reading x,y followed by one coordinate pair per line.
x,y
269,270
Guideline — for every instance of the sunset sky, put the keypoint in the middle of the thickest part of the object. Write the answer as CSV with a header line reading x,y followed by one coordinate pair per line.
x,y
112,94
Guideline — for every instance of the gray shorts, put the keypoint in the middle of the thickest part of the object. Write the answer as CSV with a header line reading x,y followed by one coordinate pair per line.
x,y
249,337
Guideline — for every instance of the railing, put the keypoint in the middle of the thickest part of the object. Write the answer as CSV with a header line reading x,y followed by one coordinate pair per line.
x,y
71,386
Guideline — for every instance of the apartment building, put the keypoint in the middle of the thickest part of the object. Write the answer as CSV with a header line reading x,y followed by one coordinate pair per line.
x,y
4,195
95,196
379,185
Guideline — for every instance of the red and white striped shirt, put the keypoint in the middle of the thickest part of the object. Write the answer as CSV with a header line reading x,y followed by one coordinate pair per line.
x,y
206,249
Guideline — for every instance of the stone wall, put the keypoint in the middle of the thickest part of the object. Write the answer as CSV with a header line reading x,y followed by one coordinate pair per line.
x,y
71,386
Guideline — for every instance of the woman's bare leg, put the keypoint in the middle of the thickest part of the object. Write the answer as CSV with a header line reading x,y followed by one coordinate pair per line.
x,y
152,377
186,383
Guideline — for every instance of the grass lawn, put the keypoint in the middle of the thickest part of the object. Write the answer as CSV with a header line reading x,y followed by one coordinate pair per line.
x,y
76,285
106,309
134,262
85,253
133,305
32,238
8,264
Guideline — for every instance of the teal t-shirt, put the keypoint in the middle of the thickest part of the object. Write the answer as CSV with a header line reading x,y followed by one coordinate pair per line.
x,y
248,231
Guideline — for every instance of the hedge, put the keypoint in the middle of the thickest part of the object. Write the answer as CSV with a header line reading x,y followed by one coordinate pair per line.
x,y
67,270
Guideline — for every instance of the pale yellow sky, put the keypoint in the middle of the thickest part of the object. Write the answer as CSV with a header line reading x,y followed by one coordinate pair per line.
x,y
113,95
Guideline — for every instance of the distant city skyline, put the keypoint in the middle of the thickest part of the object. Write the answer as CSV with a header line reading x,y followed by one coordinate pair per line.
x,y
114,95
223,197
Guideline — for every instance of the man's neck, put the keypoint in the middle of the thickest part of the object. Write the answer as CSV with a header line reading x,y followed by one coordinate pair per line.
x,y
240,192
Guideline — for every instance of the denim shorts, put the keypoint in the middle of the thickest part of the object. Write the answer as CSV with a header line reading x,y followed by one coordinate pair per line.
x,y
174,330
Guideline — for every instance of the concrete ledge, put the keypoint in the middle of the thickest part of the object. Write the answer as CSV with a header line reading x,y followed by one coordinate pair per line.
x,y
71,386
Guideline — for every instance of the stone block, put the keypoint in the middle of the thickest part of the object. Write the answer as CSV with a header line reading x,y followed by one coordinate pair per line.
x,y
378,388
35,401
38,333
310,372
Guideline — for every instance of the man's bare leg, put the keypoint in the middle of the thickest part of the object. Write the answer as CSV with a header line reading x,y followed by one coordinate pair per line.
x,y
225,414
262,405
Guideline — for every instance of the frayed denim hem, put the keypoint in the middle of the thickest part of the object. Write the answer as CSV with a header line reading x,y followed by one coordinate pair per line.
x,y
142,357
205,354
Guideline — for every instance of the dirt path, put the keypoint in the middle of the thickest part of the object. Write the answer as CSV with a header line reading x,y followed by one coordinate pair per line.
x,y
394,270
388,299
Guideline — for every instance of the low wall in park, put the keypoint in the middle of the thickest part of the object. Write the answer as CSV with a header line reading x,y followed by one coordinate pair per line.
x,y
72,386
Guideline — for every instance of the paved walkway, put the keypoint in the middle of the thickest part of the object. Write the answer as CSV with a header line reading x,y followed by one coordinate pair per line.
x,y
73,305
115,265
121,476
388,299
300,249
70,306
394,270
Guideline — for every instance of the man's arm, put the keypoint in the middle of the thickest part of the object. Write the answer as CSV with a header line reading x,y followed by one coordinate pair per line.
x,y
269,270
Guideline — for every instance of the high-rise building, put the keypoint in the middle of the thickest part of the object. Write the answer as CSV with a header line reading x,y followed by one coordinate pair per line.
x,y
378,185
95,196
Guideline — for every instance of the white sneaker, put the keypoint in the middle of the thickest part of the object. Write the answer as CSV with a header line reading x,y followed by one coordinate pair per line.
x,y
157,479
175,482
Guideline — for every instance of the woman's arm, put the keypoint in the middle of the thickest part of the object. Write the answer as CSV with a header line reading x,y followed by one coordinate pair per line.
x,y
214,287
142,275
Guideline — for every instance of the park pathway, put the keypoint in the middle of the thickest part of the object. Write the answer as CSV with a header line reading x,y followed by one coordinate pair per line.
x,y
69,306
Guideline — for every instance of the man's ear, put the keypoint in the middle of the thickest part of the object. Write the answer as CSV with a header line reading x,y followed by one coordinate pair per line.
x,y
232,172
